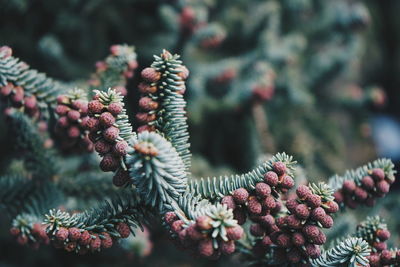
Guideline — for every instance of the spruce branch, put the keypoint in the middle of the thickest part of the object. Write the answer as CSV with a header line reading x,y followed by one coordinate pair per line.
x,y
163,103
33,90
115,70
122,208
30,146
217,188
336,181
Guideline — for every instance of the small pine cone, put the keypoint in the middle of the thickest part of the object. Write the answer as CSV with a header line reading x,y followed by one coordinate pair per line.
x,y
109,163
203,222
74,234
91,124
257,230
184,72
111,134
18,95
102,146
279,168
312,251
177,226
229,202
150,75
266,241
85,238
332,207
293,222
291,205
360,194
302,211
338,195
144,117
74,132
254,206
70,246
30,102
263,190
240,215
281,221
326,221
63,122
320,239
205,248
349,186
6,90
240,195
95,243
146,88
95,107
284,240
298,239
80,105
383,234
314,201
123,229
318,214
107,241
115,108
148,128
386,257
228,248
62,234
63,99
269,203
310,231
121,177
303,191
379,246
378,174
106,119
271,178
294,255
170,217
267,221
62,110
14,231
234,233
193,233
287,182
73,115
374,260
120,148
368,183
146,103
383,187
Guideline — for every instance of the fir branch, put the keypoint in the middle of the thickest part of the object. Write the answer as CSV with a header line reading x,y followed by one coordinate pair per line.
x,y
87,185
122,208
33,83
156,169
30,146
22,195
114,71
356,175
171,115
352,252
216,188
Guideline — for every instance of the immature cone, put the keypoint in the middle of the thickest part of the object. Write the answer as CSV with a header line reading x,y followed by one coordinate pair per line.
x,y
123,229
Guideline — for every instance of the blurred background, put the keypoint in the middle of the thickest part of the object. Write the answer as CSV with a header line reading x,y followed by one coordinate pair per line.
x,y
316,79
